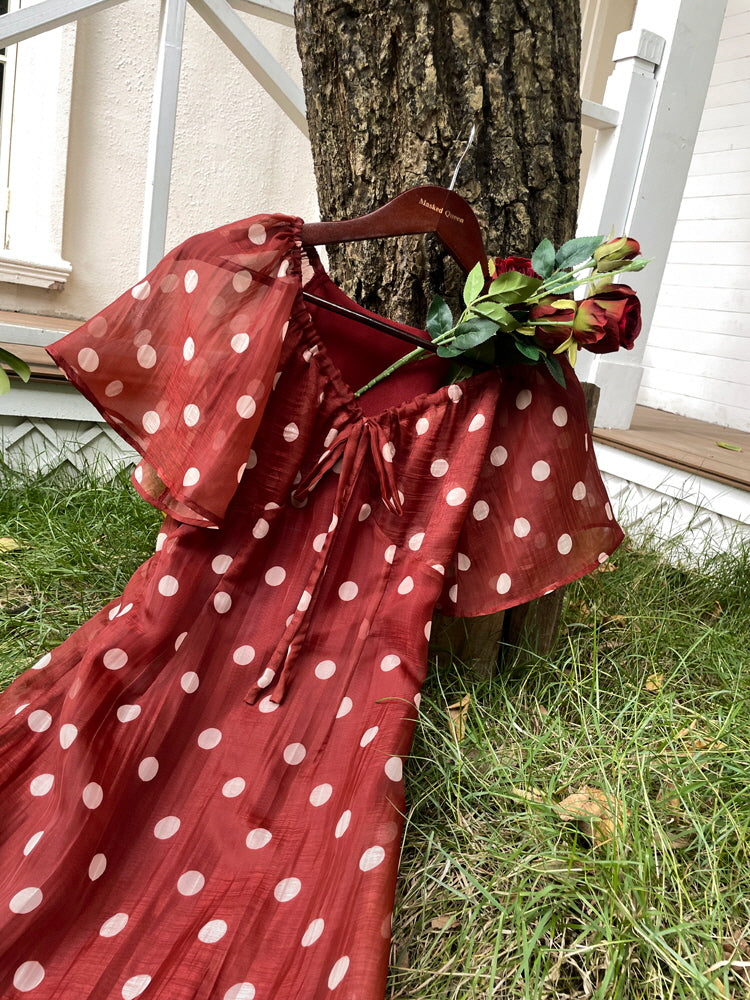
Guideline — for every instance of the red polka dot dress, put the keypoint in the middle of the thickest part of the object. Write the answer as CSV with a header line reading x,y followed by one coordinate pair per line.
x,y
202,787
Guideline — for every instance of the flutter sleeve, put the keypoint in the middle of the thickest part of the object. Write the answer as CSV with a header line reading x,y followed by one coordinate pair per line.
x,y
181,365
539,516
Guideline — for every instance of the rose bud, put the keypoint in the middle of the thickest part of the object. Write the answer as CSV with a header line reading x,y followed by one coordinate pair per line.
x,y
614,253
560,313
520,264
622,309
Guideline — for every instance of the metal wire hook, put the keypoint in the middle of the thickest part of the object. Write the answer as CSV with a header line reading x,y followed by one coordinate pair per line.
x,y
467,147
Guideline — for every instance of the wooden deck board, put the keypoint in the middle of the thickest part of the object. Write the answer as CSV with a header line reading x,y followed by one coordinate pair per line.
x,y
684,443
41,364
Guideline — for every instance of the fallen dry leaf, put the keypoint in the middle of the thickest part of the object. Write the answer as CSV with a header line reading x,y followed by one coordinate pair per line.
x,y
441,922
597,814
529,794
718,611
696,738
606,567
457,717
9,545
654,683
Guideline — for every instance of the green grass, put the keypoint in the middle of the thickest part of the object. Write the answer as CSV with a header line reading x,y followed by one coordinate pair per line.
x,y
645,700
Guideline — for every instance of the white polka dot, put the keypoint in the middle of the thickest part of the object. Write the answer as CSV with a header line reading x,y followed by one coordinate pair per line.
x,y
325,669
68,733
190,281
477,422
390,662
344,708
389,451
453,593
191,414
167,827
188,349
41,784
304,602
190,883
313,932
428,630
294,753
239,343
243,655
141,291
372,857
564,544
158,546
602,557
220,564
134,987
28,976
560,416
348,590
503,583
499,456
252,460
480,510
88,359
213,931
579,491
540,471
26,900
257,839
463,562
168,586
454,393
406,586
267,705
415,542
343,824
138,474
422,425
39,721
113,926
521,527
266,677
43,662
275,576
390,554
151,421
256,234
608,511
147,769
341,967
222,602
97,867
287,889
113,388
455,497
209,739
124,610
189,682
92,795
394,768
146,356
115,659
291,433
438,468
523,399
321,794
242,281
245,407
368,736
179,640
127,713
240,991
232,788
319,541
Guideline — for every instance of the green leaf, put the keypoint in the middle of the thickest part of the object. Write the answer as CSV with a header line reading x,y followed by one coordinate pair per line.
x,y
474,283
497,313
439,317
16,364
4,382
543,259
554,368
728,446
469,334
528,349
513,287
577,251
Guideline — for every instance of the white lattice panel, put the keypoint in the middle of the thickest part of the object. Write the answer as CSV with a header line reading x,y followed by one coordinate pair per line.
x,y
65,445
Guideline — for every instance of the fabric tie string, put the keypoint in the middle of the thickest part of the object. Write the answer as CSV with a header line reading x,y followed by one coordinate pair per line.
x,y
353,447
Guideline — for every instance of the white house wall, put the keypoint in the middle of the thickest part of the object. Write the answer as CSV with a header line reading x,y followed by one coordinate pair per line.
x,y
235,153
697,362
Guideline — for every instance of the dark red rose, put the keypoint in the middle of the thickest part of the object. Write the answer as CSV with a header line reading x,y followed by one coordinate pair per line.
x,y
520,264
623,319
560,315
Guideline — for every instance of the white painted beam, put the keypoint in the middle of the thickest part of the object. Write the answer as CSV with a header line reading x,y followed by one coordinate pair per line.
x,y
48,14
255,57
280,11
598,116
162,135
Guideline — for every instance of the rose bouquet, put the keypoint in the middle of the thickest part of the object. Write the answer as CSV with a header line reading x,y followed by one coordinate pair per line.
x,y
526,312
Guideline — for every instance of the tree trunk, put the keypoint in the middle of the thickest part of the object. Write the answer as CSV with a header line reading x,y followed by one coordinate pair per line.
x,y
392,91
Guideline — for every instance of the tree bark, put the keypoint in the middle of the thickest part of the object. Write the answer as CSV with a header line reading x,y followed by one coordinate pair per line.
x,y
392,90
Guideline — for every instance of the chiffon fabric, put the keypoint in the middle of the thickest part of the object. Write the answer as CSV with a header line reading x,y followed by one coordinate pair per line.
x,y
201,788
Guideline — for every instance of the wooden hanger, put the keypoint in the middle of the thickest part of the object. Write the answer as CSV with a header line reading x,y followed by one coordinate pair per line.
x,y
426,209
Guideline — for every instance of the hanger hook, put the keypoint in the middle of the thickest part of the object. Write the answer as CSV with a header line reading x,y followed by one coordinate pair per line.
x,y
467,147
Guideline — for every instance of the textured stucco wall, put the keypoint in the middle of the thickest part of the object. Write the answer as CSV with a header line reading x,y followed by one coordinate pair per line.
x,y
236,153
